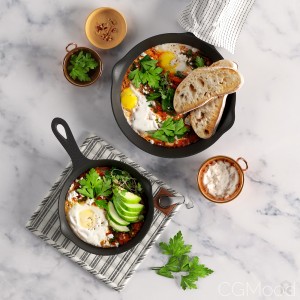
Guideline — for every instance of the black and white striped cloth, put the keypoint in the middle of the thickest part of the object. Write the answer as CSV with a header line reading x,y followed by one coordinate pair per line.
x,y
115,270
217,22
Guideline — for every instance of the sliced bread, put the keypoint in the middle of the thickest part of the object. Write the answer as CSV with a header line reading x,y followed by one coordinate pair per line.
x,y
203,84
205,119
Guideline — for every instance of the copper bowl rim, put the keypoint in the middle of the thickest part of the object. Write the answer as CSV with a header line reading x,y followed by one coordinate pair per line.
x,y
71,52
232,161
99,9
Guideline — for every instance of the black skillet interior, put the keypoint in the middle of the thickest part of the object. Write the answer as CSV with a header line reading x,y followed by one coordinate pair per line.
x,y
119,71
82,164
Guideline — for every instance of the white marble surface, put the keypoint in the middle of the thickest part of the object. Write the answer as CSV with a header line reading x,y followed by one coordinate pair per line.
x,y
251,242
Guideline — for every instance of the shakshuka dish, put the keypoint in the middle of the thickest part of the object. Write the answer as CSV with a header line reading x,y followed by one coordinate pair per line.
x,y
148,89
105,207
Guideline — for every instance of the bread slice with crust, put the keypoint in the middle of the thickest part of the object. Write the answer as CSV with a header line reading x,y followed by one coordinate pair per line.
x,y
205,119
203,84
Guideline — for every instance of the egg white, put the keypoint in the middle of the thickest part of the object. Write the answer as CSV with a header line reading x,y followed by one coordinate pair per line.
x,y
95,230
179,62
143,119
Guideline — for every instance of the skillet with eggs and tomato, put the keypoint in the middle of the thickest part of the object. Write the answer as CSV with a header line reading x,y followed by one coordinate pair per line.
x,y
104,207
148,89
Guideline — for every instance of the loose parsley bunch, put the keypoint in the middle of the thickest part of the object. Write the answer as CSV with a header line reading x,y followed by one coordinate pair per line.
x,y
179,261
148,73
170,129
80,65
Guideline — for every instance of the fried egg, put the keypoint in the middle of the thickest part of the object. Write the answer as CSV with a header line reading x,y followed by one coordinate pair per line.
x,y
89,223
141,117
128,99
171,57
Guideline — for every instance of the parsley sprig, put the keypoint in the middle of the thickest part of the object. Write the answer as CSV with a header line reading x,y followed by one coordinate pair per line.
x,y
80,65
179,261
165,93
170,129
93,185
148,73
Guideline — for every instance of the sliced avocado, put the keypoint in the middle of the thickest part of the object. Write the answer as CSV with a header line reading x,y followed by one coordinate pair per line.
x,y
123,214
115,216
127,197
115,226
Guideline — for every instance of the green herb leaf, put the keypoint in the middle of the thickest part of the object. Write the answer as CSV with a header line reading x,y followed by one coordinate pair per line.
x,y
122,179
153,96
135,77
196,271
102,204
199,62
176,246
167,100
148,73
103,188
80,64
164,271
93,185
169,129
180,262
179,74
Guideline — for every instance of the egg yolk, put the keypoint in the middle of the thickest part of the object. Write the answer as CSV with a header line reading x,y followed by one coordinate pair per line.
x,y
87,219
165,61
128,99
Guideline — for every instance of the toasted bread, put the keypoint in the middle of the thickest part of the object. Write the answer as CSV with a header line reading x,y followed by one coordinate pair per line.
x,y
205,119
203,84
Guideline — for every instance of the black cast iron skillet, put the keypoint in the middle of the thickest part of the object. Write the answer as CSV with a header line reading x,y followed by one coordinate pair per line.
x,y
119,71
82,164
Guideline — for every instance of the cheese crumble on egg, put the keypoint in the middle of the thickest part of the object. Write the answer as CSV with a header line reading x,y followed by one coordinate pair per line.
x,y
89,223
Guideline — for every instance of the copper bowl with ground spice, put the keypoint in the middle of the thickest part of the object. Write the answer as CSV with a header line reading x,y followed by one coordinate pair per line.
x,y
221,178
73,49
105,27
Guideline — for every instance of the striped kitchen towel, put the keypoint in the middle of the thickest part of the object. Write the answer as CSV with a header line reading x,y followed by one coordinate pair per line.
x,y
217,22
115,270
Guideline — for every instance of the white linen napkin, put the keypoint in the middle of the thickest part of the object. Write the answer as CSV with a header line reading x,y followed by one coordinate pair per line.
x,y
217,22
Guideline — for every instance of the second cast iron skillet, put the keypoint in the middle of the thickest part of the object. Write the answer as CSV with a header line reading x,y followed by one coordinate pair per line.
x,y
119,72
82,164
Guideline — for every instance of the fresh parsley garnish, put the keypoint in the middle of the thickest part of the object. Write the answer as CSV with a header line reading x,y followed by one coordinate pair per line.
x,y
179,74
93,185
80,65
167,99
102,204
170,129
176,246
199,62
148,73
179,261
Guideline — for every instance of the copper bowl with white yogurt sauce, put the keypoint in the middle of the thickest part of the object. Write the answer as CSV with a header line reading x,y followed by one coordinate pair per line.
x,y
221,178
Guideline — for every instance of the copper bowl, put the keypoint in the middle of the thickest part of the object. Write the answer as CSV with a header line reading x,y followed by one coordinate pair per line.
x,y
94,74
235,163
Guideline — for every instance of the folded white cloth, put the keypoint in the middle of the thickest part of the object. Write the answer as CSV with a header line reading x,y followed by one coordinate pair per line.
x,y
217,22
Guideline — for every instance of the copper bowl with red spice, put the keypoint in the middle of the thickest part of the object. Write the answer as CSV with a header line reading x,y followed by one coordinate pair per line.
x,y
105,27
81,164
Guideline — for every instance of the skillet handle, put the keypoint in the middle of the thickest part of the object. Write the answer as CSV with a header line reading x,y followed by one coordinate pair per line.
x,y
69,143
